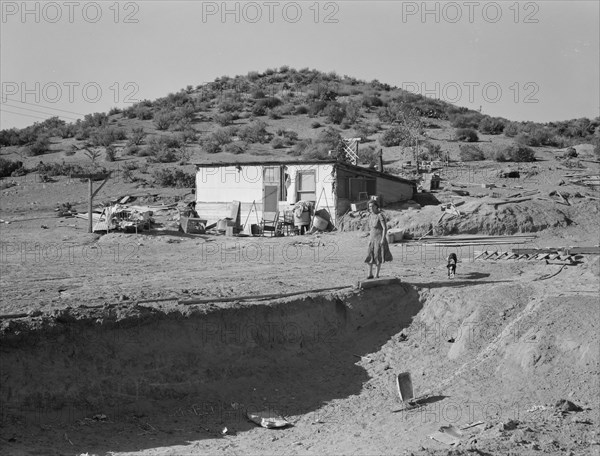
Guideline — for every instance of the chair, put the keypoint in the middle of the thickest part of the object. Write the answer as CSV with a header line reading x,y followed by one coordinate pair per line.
x,y
270,222
286,222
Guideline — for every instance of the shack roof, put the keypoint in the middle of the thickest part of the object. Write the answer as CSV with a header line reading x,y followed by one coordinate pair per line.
x,y
343,165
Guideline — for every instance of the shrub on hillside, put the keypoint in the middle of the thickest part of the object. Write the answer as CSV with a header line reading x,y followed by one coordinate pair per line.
x,y
353,112
132,149
110,154
316,107
105,136
466,120
225,119
172,177
368,156
537,137
395,136
371,101
210,146
222,136
163,119
255,132
511,129
262,106
39,147
430,151
165,156
469,152
302,109
277,143
237,147
66,169
491,126
136,137
365,129
288,135
515,153
466,134
335,112
8,167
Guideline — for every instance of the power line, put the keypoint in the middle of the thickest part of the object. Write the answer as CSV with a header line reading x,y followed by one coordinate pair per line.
x,y
37,105
21,114
40,112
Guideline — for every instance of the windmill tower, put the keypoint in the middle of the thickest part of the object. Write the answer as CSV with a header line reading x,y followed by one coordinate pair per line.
x,y
350,146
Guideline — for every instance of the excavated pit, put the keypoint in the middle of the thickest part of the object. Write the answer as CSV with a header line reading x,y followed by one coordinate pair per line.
x,y
290,355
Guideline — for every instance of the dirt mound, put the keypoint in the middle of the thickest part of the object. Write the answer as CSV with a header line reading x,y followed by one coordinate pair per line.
x,y
483,216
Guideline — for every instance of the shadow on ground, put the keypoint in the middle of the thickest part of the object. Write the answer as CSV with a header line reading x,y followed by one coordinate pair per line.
x,y
168,379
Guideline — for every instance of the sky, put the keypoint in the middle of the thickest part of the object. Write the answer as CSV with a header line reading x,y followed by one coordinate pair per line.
x,y
522,60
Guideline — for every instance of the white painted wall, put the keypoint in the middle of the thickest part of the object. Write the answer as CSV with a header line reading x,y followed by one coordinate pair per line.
x,y
225,184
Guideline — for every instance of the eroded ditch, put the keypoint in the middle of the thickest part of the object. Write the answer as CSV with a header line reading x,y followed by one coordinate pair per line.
x,y
290,354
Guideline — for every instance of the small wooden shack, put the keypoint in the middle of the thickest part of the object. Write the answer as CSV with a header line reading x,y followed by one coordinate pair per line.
x,y
272,186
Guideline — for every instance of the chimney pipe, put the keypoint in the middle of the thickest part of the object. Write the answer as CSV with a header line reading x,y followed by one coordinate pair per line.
x,y
381,160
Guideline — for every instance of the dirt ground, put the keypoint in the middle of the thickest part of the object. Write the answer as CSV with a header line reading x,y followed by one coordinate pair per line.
x,y
500,343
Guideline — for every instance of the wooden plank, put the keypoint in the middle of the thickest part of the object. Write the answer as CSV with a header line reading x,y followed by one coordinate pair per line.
x,y
372,283
584,251
235,212
481,254
533,251
259,297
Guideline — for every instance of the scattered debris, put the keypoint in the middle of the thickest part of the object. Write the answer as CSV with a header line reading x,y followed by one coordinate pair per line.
x,y
450,435
405,387
268,419
65,210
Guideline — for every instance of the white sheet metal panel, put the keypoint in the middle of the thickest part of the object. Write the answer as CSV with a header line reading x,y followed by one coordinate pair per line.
x,y
223,184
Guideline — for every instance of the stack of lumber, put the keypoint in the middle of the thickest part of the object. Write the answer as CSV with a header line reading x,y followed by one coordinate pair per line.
x,y
585,179
466,240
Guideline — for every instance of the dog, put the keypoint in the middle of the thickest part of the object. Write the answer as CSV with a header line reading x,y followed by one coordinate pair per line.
x,y
452,260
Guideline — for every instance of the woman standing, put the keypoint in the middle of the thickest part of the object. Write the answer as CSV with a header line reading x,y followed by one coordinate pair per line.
x,y
379,250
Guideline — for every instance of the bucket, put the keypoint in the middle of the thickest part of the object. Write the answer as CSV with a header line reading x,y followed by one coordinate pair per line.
x,y
304,219
320,223
222,225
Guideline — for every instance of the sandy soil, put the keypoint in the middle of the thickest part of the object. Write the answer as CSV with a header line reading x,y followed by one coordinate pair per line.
x,y
520,341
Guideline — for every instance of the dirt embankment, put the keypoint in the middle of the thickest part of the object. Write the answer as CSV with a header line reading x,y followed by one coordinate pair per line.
x,y
124,360
484,217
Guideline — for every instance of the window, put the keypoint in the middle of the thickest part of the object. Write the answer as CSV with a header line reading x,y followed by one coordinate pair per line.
x,y
306,185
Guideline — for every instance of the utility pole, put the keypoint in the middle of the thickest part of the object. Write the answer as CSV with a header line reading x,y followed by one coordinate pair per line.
x,y
91,193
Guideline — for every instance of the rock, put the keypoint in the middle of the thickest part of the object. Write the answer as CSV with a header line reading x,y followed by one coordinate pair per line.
x,y
509,425
564,405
